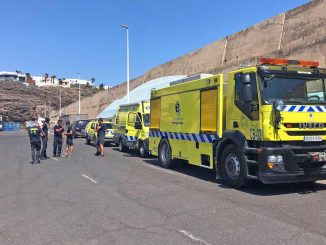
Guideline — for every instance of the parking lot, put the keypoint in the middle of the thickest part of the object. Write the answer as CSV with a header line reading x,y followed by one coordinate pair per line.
x,y
123,199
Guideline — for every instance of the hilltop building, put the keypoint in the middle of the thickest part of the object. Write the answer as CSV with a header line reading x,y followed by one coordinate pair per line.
x,y
41,81
15,76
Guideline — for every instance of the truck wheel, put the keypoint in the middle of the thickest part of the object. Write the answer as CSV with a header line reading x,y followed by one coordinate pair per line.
x,y
165,155
233,167
94,141
142,151
121,146
87,140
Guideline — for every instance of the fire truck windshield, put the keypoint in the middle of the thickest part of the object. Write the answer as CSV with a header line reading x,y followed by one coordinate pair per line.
x,y
293,90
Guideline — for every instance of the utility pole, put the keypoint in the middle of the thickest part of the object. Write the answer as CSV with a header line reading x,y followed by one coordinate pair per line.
x,y
127,29
45,110
79,93
60,103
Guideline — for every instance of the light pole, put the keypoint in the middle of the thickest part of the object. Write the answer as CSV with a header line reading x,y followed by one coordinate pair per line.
x,y
127,29
60,103
79,93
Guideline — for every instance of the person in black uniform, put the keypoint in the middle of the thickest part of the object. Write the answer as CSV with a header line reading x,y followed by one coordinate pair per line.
x,y
69,142
45,129
35,133
57,142
100,128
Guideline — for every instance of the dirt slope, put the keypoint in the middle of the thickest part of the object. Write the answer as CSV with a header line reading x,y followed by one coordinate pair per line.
x,y
21,103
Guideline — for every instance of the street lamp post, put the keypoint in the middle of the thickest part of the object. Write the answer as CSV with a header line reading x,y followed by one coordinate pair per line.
x,y
127,29
79,93
60,103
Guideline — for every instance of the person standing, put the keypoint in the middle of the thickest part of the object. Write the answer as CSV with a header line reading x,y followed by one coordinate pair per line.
x,y
100,128
45,129
35,133
69,142
58,136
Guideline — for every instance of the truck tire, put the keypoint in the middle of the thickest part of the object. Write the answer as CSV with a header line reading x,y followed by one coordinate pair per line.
x,y
233,167
142,150
121,146
88,142
165,154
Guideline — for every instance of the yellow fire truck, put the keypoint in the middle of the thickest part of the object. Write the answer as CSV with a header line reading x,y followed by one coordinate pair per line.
x,y
268,122
132,126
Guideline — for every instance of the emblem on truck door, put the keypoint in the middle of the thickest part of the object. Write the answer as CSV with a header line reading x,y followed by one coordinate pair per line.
x,y
177,108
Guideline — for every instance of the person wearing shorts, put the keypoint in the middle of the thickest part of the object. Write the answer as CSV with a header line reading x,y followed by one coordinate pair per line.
x,y
100,128
69,142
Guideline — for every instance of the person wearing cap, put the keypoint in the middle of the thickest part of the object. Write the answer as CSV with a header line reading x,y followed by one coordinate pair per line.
x,y
45,129
58,136
35,133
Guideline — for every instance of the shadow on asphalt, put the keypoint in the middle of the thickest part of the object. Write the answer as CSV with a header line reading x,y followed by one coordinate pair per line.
x,y
255,187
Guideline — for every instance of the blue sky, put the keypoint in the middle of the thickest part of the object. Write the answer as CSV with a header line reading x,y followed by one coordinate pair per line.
x,y
62,37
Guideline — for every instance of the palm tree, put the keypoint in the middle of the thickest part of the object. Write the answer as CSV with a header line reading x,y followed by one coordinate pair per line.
x,y
28,77
52,78
46,76
93,79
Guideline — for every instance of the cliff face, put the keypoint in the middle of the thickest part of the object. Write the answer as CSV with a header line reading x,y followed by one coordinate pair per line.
x,y
297,34
22,103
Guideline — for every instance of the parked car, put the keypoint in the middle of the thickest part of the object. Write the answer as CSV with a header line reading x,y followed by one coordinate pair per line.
x,y
91,134
78,128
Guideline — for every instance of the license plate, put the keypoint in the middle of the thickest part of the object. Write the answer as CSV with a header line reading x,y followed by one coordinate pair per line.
x,y
312,138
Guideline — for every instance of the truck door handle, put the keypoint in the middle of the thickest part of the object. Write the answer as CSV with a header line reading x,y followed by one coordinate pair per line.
x,y
235,124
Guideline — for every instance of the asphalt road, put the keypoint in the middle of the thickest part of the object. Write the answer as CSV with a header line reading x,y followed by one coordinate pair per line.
x,y
123,199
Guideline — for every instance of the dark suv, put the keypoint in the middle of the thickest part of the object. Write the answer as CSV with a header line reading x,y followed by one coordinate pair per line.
x,y
78,128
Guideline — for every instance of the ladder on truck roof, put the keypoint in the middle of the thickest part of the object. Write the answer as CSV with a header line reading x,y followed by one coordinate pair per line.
x,y
191,78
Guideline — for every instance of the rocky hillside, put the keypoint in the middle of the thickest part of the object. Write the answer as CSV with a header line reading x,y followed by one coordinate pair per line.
x,y
22,103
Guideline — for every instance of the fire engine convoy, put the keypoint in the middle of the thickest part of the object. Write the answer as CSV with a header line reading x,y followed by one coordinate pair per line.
x,y
132,126
268,122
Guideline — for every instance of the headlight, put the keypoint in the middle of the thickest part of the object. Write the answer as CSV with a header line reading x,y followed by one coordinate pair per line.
x,y
275,162
272,158
279,159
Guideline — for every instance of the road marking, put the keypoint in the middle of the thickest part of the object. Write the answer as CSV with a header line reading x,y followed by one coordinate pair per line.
x,y
161,169
54,159
89,178
168,171
194,238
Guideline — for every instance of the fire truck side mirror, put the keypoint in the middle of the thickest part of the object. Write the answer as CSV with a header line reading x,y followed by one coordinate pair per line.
x,y
246,92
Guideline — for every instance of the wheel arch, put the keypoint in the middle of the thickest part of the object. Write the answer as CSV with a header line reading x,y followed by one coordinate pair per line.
x,y
161,141
229,137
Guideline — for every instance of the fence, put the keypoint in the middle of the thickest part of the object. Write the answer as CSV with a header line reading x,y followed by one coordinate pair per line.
x,y
11,126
